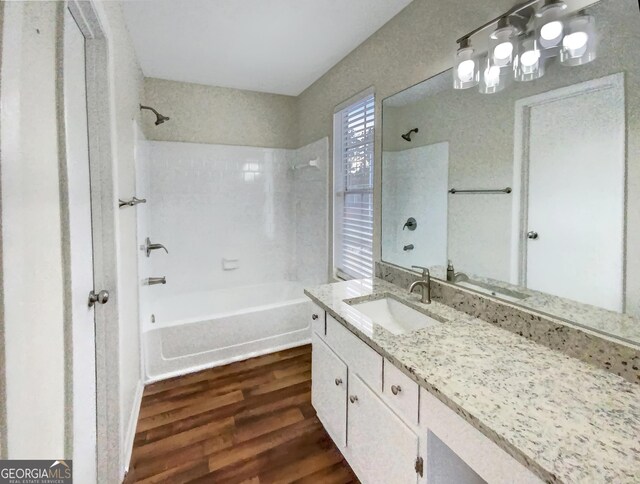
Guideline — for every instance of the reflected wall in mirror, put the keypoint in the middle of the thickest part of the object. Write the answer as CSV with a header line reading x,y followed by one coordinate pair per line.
x,y
532,193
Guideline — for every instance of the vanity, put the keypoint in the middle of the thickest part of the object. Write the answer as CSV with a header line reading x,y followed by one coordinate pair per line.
x,y
459,400
521,202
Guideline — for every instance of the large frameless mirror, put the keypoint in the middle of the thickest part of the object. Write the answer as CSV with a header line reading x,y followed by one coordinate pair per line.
x,y
529,192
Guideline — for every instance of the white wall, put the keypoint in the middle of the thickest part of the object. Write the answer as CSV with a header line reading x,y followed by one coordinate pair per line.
x,y
31,233
207,203
220,115
37,364
415,185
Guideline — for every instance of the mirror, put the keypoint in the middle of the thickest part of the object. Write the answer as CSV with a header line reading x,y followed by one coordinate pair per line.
x,y
531,193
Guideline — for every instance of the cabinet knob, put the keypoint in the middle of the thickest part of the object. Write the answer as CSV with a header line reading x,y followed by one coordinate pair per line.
x,y
338,381
532,235
314,316
353,399
395,389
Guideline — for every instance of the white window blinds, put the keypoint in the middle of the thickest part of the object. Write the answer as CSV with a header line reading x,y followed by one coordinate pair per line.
x,y
353,186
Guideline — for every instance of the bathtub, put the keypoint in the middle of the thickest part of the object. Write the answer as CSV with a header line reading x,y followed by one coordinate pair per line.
x,y
200,330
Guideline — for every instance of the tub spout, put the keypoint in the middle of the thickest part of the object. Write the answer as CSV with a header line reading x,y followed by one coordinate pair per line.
x,y
152,281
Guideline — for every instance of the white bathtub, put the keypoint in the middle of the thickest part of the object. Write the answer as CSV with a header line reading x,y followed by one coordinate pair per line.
x,y
201,330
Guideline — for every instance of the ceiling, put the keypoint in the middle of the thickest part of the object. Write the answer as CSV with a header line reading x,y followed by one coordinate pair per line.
x,y
277,46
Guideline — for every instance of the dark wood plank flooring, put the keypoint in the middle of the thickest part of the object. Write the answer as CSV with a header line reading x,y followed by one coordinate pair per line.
x,y
250,421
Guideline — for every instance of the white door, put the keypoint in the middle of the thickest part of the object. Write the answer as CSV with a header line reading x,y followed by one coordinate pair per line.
x,y
383,447
576,190
82,316
329,390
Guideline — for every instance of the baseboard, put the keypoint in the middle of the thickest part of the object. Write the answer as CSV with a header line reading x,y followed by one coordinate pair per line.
x,y
131,428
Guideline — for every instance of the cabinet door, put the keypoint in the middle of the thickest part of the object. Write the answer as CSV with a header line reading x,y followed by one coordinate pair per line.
x,y
329,390
383,448
317,318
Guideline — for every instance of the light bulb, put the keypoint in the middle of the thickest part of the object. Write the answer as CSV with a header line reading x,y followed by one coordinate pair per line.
x,y
501,42
466,73
466,69
549,25
529,58
492,76
529,64
576,43
579,43
551,30
503,51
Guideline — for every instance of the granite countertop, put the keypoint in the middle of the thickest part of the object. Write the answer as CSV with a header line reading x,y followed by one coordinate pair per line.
x,y
564,419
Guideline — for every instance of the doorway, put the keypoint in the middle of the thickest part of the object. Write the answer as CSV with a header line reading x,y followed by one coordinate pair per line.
x,y
569,201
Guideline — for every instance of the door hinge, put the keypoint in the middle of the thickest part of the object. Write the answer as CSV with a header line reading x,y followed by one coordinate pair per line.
x,y
419,466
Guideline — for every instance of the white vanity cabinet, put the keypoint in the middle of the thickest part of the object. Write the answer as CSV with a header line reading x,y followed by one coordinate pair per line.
x,y
389,429
329,389
383,448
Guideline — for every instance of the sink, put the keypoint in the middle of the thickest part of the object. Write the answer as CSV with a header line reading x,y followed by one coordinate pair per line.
x,y
394,316
506,294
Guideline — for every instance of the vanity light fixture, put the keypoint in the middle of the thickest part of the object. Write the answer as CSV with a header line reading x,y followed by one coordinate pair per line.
x,y
524,40
579,43
466,69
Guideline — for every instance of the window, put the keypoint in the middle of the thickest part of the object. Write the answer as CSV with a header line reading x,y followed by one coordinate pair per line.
x,y
353,189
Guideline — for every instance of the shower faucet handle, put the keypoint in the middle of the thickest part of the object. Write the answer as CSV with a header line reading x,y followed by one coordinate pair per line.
x,y
149,247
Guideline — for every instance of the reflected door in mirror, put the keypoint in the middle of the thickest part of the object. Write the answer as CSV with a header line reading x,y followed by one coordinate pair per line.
x,y
574,155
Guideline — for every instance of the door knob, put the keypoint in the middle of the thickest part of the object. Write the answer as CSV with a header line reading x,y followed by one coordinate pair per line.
x,y
532,235
102,297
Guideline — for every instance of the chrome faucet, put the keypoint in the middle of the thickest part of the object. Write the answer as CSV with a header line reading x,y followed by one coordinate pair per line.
x,y
453,276
424,284
460,276
149,247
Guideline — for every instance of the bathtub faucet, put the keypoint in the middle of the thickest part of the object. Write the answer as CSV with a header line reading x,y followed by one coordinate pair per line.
x,y
149,247
152,281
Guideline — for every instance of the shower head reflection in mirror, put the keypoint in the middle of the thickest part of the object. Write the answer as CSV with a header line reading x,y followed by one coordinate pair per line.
x,y
563,144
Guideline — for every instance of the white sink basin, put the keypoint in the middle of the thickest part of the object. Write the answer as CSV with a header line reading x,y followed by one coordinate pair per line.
x,y
394,316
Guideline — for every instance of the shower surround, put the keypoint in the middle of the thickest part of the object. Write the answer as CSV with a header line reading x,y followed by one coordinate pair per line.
x,y
245,231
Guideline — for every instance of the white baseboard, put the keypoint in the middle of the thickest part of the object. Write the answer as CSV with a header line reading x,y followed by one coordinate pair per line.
x,y
130,436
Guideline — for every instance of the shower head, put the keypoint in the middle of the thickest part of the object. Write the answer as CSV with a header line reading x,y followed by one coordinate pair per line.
x,y
159,117
407,136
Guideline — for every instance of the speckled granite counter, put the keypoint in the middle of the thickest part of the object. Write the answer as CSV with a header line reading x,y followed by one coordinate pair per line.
x,y
564,419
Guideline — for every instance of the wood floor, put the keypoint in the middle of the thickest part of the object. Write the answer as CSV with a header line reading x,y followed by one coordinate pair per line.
x,y
250,421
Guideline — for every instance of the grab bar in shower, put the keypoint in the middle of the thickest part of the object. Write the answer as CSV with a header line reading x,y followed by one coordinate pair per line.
x,y
453,191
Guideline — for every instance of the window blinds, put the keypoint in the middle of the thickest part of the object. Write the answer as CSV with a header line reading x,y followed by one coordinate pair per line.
x,y
353,172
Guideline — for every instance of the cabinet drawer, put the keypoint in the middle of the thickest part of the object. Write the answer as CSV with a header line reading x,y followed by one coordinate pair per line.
x,y
329,390
317,318
360,358
401,393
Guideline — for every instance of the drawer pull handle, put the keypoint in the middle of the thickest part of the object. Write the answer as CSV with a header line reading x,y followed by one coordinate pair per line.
x,y
338,381
314,316
395,389
353,399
